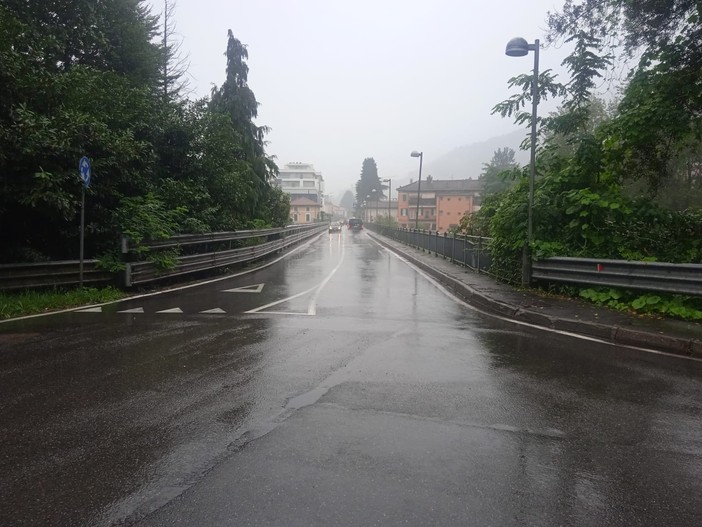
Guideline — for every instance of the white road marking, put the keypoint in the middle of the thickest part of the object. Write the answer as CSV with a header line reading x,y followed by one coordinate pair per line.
x,y
258,309
173,310
135,310
312,306
90,310
257,288
217,311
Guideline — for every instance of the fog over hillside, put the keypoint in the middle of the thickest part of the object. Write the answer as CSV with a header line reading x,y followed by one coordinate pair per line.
x,y
463,162
466,162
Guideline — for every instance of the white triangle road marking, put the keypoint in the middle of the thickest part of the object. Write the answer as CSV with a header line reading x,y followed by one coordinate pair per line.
x,y
174,310
216,310
90,310
135,310
256,288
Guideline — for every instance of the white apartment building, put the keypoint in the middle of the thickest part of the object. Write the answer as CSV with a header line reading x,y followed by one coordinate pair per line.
x,y
301,179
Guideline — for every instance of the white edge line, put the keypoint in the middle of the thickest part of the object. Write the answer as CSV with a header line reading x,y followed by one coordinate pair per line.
x,y
448,293
198,284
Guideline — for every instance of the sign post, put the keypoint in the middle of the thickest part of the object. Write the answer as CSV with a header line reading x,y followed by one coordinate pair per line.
x,y
85,173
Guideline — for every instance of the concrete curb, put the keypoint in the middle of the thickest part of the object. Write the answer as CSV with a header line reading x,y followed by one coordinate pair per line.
x,y
617,335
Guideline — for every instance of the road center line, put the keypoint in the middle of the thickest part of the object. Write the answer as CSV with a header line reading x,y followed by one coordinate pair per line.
x,y
312,306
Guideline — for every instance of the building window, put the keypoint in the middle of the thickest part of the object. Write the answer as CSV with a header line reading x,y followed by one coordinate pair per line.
x,y
403,212
308,217
404,197
295,209
295,217
307,209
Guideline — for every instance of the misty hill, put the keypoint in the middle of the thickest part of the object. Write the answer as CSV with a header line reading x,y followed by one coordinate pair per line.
x,y
466,162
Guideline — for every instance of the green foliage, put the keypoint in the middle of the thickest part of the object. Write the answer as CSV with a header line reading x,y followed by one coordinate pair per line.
x,y
32,302
369,184
111,261
144,218
500,173
164,259
675,306
600,170
86,78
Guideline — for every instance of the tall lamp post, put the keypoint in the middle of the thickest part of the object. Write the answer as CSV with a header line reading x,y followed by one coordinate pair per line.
x,y
420,155
389,182
519,47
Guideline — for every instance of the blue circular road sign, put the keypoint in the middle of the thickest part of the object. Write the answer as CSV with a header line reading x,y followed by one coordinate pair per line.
x,y
85,170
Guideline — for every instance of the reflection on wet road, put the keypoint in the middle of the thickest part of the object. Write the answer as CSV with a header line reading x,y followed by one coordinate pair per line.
x,y
337,385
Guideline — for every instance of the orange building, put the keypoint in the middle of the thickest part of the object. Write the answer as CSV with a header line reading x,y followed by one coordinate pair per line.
x,y
304,210
442,203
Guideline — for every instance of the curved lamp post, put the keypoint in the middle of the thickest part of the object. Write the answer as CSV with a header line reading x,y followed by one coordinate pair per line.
x,y
420,155
519,47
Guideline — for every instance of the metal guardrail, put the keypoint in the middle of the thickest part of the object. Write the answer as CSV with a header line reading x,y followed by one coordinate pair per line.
x,y
66,273
137,273
183,240
472,252
465,250
684,279
52,274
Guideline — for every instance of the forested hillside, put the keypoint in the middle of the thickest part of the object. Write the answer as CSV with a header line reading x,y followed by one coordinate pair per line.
x,y
91,78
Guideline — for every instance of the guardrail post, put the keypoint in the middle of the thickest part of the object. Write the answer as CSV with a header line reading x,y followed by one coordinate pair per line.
x,y
127,277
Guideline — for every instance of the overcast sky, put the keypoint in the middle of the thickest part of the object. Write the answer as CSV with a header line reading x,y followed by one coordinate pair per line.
x,y
339,81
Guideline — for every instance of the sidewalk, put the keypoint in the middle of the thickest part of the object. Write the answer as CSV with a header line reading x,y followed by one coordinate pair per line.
x,y
665,335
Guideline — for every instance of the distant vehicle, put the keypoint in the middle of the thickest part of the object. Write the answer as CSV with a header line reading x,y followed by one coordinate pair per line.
x,y
334,226
355,224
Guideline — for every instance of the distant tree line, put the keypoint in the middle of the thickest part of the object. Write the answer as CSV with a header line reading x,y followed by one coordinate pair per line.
x,y
103,80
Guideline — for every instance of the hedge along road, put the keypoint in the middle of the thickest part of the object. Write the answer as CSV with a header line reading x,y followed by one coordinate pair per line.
x,y
338,385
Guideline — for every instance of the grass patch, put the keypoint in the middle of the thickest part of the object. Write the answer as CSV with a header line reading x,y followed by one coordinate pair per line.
x,y
33,302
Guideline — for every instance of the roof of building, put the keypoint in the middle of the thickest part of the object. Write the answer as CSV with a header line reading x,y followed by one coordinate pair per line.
x,y
445,185
303,200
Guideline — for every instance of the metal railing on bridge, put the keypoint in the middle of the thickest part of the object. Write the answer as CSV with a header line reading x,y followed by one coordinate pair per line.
x,y
473,252
465,250
204,252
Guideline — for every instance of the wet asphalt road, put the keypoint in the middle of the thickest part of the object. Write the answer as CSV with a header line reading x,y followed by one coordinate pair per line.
x,y
338,386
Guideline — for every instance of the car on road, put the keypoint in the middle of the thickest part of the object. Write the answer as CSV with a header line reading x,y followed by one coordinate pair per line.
x,y
355,224
334,226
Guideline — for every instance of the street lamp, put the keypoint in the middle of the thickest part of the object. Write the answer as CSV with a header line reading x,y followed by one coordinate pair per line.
x,y
420,155
389,182
518,47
